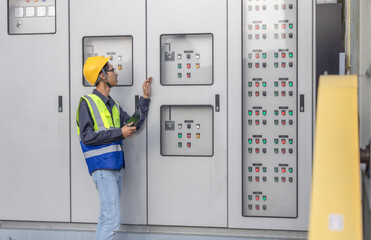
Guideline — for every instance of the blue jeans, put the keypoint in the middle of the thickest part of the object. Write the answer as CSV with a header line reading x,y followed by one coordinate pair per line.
x,y
109,185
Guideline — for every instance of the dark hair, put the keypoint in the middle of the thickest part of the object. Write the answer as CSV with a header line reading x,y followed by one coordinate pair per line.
x,y
105,67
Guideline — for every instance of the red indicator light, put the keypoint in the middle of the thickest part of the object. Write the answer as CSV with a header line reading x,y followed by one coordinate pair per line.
x,y
257,84
257,55
283,84
257,112
283,112
257,169
257,141
257,65
188,65
257,122
257,198
283,93
257,150
283,150
283,55
188,135
283,26
283,170
188,75
257,94
283,122
283,141
283,65
189,145
283,179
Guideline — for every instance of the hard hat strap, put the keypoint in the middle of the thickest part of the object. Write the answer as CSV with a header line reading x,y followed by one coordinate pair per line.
x,y
106,82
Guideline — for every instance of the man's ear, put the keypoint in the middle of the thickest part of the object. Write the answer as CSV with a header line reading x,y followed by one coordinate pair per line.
x,y
101,75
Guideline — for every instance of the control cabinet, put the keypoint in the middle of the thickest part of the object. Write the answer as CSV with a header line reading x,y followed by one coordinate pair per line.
x,y
187,59
187,131
269,109
31,17
119,48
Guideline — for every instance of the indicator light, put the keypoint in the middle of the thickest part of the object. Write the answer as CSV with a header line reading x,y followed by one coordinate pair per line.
x,y
276,64
264,55
250,27
257,169
119,67
291,25
283,141
250,169
250,55
276,169
250,197
276,179
290,150
276,141
291,179
198,56
290,141
283,65
257,122
180,126
188,75
179,135
188,56
179,65
35,0
264,65
250,178
250,207
276,6
264,84
290,112
257,7
188,144
257,197
250,140
119,58
189,126
276,84
257,65
291,6
250,150
188,65
290,170
250,84
250,112
290,84
264,112
283,6
291,64
257,84
264,198
283,93
291,55
264,121
257,93
198,126
276,55
283,122
256,55
264,207
250,93
283,179
283,35
257,112
250,65
27,0
179,75
283,84
264,36
275,122
276,150
257,150
276,35
197,65
250,122
257,27
264,150
283,26
264,7
264,169
276,112
283,170
197,135
291,122
179,144
264,26
257,207
283,112
283,55
188,135
257,141
264,179
283,150
179,56
256,36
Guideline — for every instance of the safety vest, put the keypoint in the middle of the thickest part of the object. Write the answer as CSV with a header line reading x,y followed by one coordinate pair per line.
x,y
108,156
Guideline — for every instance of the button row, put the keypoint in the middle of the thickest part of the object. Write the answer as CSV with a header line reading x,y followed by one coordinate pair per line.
x,y
276,112
276,169
276,64
276,179
265,7
276,55
188,65
264,26
264,141
189,135
276,150
264,36
257,207
264,93
276,122
188,125
40,11
276,84
180,144
188,56
257,197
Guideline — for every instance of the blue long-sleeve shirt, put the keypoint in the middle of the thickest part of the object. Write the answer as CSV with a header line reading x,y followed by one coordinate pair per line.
x,y
86,123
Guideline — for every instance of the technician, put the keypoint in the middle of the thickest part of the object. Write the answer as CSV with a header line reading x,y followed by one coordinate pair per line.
x,y
101,126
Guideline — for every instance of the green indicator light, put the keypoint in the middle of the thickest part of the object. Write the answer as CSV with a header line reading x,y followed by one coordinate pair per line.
x,y
264,112
250,150
290,26
250,179
276,55
179,144
179,75
264,141
275,122
179,135
250,197
250,169
276,179
179,65
276,93
290,170
276,84
264,55
276,112
290,141
250,112
264,26
290,112
276,151
264,198
291,55
250,84
290,84
276,141
250,140
264,84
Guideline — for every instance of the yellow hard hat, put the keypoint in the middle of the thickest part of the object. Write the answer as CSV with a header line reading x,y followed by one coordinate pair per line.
x,y
92,68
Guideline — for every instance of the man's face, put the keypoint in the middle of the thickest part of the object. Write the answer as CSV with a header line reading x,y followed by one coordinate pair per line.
x,y
112,76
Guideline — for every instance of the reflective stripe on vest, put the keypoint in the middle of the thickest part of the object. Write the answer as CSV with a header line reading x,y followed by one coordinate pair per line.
x,y
97,152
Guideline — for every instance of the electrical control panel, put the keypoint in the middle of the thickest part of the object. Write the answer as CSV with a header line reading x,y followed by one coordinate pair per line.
x,y
187,130
270,108
31,17
187,59
119,48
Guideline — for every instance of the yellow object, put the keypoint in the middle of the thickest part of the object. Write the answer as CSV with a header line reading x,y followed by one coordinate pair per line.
x,y
336,207
197,135
92,68
119,66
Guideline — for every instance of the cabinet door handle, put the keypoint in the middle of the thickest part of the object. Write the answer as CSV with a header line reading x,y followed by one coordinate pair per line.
x,y
217,103
60,104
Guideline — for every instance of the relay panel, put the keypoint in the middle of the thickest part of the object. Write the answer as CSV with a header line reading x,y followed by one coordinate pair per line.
x,y
270,108
119,48
31,17
187,130
187,59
